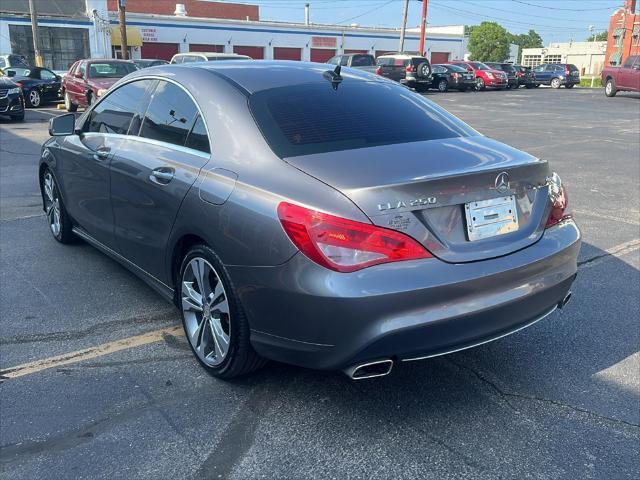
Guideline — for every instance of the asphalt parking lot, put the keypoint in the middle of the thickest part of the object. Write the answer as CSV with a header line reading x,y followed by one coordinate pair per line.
x,y
560,399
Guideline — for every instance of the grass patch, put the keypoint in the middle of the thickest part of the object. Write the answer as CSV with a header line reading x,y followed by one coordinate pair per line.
x,y
586,82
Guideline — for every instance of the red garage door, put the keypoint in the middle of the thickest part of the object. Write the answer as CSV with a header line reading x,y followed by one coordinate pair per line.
x,y
356,51
203,47
439,57
286,53
321,55
163,51
257,53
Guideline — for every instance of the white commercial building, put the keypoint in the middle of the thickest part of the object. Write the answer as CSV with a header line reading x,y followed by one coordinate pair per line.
x,y
87,28
588,57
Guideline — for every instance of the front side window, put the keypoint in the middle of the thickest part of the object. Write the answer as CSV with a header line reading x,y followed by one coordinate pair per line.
x,y
170,115
628,63
82,68
116,111
362,61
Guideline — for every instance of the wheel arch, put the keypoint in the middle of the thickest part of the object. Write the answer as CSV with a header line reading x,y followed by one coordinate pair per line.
x,y
179,249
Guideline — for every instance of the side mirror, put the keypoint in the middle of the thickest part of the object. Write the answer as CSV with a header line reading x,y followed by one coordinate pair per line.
x,y
62,125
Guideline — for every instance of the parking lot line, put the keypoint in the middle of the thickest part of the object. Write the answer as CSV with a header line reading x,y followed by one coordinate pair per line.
x,y
606,217
88,353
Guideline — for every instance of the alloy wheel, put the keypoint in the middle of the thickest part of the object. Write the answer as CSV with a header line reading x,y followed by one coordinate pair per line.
x,y
52,204
609,87
34,98
442,86
205,308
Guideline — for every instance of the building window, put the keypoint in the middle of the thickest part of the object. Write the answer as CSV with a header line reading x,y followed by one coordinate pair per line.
x,y
60,47
553,59
531,60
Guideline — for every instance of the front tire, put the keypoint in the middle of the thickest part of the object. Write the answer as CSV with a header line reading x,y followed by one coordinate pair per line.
x,y
556,83
33,99
59,222
214,323
610,89
480,84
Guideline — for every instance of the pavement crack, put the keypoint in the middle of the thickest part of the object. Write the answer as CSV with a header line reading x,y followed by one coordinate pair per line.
x,y
163,317
616,251
504,394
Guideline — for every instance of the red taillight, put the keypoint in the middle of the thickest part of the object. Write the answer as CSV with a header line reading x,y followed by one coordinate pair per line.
x,y
19,84
566,70
455,75
410,68
379,71
560,202
345,245
519,74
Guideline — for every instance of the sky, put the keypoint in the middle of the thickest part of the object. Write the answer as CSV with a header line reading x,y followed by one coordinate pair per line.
x,y
554,20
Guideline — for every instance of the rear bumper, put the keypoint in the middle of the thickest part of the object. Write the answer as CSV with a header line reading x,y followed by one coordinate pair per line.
x,y
303,314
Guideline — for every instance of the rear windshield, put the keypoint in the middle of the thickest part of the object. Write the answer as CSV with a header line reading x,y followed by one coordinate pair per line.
x,y
456,68
572,68
362,61
110,69
314,118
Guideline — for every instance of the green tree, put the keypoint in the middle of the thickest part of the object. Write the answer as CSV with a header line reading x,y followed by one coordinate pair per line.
x,y
489,42
598,37
527,40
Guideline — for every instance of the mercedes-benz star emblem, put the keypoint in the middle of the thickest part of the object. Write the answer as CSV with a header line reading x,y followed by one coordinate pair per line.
x,y
502,182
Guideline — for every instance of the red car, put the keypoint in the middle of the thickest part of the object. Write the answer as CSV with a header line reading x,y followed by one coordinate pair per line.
x,y
624,78
88,79
485,76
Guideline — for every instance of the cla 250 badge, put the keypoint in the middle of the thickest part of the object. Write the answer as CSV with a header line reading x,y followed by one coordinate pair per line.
x,y
418,202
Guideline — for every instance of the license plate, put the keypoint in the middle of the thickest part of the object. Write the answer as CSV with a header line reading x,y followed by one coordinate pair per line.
x,y
489,218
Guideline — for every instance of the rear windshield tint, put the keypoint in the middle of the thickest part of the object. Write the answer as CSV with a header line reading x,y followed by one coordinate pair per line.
x,y
314,118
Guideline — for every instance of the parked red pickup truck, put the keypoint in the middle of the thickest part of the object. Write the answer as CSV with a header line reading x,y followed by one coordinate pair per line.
x,y
89,79
624,78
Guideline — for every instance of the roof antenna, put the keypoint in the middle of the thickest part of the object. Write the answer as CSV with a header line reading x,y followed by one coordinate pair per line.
x,y
333,76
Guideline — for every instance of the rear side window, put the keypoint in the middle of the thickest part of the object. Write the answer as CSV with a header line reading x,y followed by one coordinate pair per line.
x,y
115,112
197,138
170,115
315,118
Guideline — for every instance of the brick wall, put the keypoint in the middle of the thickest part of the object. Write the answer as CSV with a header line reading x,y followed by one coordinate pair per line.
x,y
624,34
195,8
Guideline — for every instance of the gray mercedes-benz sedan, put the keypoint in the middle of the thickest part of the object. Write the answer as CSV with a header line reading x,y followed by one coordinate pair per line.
x,y
328,219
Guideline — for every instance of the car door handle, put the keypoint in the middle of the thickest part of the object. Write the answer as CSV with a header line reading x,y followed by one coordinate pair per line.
x,y
162,175
101,154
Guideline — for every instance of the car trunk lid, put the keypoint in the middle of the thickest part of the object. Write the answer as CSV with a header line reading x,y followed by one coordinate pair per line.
x,y
426,189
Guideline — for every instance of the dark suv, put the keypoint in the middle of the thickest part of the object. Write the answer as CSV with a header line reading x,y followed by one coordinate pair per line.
x,y
509,69
557,74
411,70
525,76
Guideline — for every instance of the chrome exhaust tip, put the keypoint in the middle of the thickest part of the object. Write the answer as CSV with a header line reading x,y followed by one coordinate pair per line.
x,y
360,371
565,300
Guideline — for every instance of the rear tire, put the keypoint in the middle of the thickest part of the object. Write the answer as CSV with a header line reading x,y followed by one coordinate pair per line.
x,y
569,85
480,84
217,329
529,86
68,104
443,86
610,89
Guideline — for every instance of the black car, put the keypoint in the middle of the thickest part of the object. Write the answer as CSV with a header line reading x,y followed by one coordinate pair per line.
x,y
38,84
525,76
451,76
11,99
509,69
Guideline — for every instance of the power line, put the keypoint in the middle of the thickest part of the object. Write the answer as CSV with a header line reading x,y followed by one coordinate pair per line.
x,y
366,13
524,14
564,9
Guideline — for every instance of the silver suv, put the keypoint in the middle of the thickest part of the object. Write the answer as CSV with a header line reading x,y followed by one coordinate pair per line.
x,y
411,70
206,57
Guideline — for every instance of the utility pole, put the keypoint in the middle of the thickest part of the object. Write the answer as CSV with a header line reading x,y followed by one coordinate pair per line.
x,y
423,26
404,24
123,30
34,30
